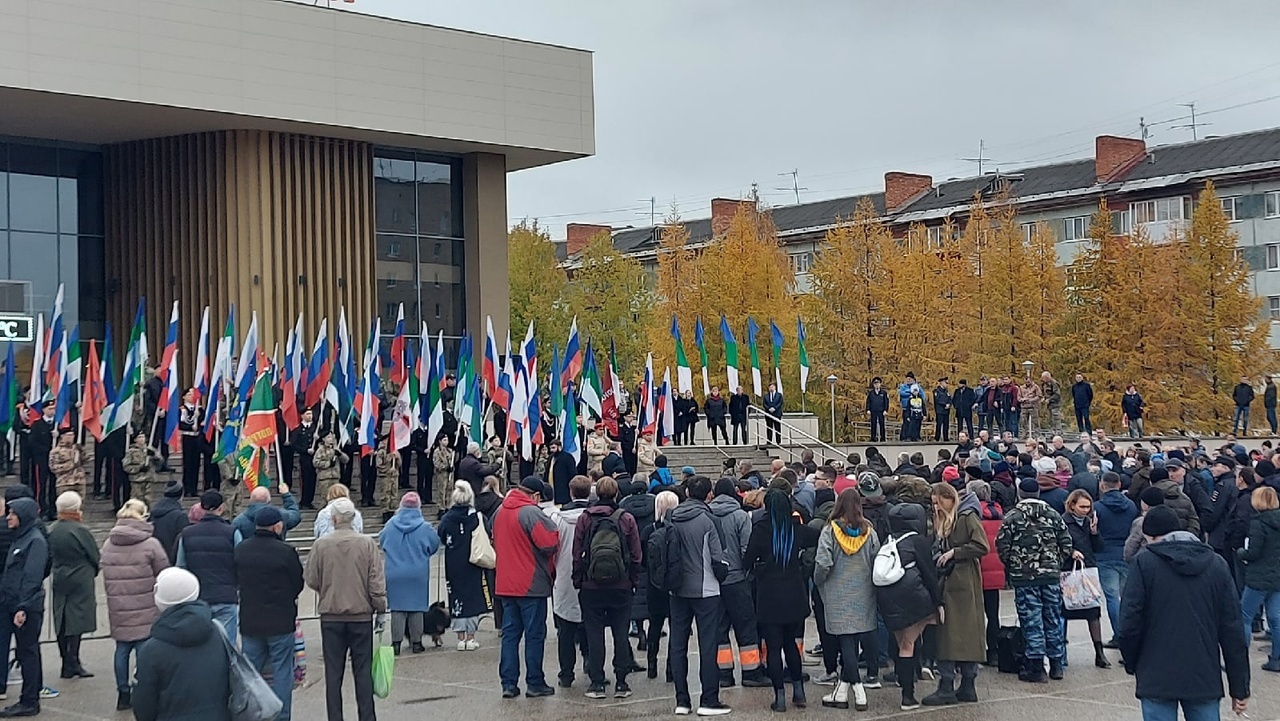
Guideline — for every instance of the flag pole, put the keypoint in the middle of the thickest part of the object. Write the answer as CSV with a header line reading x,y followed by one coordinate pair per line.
x,y
279,462
155,421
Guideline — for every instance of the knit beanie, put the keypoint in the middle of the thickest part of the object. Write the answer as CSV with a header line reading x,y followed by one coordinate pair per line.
x,y
174,586
1160,521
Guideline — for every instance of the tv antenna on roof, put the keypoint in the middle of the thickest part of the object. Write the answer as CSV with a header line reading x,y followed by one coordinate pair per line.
x,y
982,158
1193,124
795,184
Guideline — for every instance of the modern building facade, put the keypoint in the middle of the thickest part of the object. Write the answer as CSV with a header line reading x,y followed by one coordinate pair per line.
x,y
1149,187
270,155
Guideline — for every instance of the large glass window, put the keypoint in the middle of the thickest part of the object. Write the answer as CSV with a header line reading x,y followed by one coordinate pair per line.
x,y
51,232
418,216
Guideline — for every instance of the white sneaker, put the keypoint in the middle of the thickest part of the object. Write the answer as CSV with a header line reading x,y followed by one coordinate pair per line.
x,y
827,679
720,710
462,645
872,683
682,710
859,697
927,674
473,645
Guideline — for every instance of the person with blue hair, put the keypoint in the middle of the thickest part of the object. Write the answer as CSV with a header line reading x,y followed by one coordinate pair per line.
x,y
781,550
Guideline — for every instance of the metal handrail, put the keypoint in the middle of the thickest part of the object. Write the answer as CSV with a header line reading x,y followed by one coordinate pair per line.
x,y
794,429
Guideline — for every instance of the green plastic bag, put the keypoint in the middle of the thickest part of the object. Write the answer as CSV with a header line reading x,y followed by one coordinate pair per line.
x,y
384,664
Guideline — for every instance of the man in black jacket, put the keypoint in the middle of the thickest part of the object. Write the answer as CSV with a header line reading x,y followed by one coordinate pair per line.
x,y
168,518
303,440
41,440
962,404
561,468
1179,583
22,600
1269,402
716,409
207,549
627,438
1082,399
877,406
269,575
1243,396
738,403
941,411
773,406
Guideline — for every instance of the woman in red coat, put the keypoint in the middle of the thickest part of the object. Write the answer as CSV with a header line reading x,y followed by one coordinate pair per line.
x,y
992,568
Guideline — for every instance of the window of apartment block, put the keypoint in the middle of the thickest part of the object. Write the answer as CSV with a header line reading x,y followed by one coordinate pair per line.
x,y
1028,231
937,235
1229,208
1076,228
1159,210
1273,257
1123,222
1273,307
1273,204
800,262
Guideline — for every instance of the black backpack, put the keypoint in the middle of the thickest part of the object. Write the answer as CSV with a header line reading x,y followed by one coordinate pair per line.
x,y
661,577
1010,649
606,552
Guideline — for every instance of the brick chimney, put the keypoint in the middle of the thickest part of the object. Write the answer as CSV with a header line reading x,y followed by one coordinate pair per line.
x,y
902,188
1114,155
578,235
723,210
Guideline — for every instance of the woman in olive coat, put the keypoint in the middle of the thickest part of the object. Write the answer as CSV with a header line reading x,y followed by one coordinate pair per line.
x,y
960,544
75,565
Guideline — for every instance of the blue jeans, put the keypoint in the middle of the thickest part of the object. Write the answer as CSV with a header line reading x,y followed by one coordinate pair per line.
x,y
227,614
1040,615
1241,421
1271,420
123,649
523,617
1011,422
1154,709
1112,575
274,653
1250,601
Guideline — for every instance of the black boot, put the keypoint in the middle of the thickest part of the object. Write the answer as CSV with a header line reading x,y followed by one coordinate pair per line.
x,y
124,701
944,696
1099,657
1033,671
727,680
797,694
77,668
1056,669
906,669
652,659
779,700
968,692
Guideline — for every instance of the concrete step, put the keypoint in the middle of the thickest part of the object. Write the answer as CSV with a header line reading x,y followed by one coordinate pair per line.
x,y
709,460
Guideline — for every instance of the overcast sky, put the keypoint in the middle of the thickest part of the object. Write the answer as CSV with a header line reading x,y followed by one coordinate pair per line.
x,y
700,98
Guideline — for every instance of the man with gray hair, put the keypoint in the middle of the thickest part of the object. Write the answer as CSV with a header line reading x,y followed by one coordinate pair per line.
x,y
345,569
473,469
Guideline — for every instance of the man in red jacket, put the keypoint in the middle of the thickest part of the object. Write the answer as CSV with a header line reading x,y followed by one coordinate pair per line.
x,y
525,542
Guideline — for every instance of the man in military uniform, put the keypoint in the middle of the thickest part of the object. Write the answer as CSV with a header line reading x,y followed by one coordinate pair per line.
x,y
138,460
328,460
388,492
597,448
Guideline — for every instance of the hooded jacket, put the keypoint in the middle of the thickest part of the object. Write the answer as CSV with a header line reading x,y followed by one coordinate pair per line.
x,y
1180,623
408,542
1051,493
22,583
1176,500
564,597
917,594
184,673
694,551
582,532
1115,519
525,542
1262,552
733,525
1032,543
131,560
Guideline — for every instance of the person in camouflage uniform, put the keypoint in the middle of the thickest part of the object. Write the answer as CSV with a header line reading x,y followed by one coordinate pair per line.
x,y
64,463
232,490
138,463
388,466
1032,543
496,454
443,463
328,460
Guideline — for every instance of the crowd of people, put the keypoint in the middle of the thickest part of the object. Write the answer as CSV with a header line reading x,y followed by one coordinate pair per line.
x,y
901,565
1027,409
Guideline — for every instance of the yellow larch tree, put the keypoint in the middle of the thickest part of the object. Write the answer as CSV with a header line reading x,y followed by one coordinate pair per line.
x,y
537,284
611,298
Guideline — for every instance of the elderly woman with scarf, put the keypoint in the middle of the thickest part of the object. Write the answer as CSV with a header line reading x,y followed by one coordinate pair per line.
x,y
842,573
781,551
962,543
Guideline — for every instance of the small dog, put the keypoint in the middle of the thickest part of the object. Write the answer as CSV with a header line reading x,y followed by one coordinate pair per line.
x,y
437,622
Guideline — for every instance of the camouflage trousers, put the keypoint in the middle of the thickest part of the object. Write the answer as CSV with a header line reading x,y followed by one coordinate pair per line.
x,y
1040,616
388,496
140,488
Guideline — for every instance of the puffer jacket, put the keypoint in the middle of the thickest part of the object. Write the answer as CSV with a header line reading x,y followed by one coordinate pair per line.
x,y
734,527
992,569
1262,552
564,597
131,559
1032,544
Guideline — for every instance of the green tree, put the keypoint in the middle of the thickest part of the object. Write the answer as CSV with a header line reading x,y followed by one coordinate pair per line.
x,y
611,298
537,285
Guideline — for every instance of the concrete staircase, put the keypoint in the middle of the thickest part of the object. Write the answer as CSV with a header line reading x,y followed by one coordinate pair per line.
x,y
708,460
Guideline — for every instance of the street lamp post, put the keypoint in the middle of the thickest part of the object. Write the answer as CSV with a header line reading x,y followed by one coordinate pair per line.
x,y
831,381
1026,367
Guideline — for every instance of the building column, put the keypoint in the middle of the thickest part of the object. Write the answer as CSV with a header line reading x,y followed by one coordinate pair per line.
x,y
484,222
